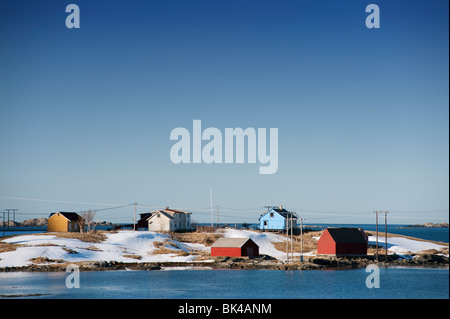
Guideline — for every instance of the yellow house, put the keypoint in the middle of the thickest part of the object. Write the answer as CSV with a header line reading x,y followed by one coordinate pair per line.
x,y
65,222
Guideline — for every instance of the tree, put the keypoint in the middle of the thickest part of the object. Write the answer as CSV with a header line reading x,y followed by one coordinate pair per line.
x,y
89,219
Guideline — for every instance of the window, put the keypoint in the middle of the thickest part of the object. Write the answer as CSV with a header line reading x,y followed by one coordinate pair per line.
x,y
158,216
271,215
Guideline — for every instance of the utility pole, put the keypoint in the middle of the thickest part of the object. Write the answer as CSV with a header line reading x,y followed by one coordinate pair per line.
x,y
385,236
385,232
301,239
134,221
218,216
292,238
3,224
376,230
210,200
13,210
287,239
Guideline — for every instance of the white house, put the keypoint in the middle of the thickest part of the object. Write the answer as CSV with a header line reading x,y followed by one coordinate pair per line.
x,y
169,220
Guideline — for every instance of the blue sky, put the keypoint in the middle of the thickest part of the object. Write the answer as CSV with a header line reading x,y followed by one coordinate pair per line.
x,y
362,114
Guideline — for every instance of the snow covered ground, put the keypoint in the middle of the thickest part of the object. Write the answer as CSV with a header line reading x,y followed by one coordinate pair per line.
x,y
118,246
129,246
401,245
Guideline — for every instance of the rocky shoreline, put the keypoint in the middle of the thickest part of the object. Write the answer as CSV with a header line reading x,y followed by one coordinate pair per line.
x,y
262,262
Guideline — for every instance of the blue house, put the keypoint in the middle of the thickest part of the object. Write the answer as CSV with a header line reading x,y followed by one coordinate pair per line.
x,y
276,219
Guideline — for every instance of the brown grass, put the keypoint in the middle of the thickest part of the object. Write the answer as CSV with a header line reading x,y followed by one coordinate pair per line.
x,y
206,239
162,249
138,257
4,247
42,260
309,243
91,236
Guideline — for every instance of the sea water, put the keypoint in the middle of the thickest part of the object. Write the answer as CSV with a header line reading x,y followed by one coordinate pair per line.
x,y
395,283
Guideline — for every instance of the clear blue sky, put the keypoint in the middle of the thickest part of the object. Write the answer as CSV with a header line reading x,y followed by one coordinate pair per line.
x,y
86,114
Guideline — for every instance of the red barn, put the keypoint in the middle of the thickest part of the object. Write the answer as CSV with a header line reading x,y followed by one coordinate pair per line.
x,y
234,247
342,242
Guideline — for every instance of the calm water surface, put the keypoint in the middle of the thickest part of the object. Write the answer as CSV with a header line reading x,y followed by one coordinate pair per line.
x,y
259,284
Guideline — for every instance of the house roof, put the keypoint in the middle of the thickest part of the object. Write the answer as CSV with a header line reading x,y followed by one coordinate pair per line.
x,y
346,235
281,211
230,242
68,215
165,212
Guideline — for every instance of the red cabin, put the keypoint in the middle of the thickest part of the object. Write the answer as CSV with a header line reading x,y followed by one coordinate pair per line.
x,y
342,242
234,247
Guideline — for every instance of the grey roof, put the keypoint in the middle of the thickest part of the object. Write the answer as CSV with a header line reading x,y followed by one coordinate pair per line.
x,y
166,212
230,242
346,235
160,212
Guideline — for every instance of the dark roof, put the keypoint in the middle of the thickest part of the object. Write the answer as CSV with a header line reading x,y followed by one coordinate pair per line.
x,y
230,242
69,216
283,212
279,210
346,235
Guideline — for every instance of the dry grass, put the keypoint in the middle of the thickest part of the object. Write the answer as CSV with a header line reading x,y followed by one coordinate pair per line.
x,y
92,247
138,257
206,239
42,260
70,251
4,247
161,248
91,236
45,244
309,243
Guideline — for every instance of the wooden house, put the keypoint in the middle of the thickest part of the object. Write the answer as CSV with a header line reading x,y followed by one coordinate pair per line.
x,y
234,247
342,241
169,220
65,222
277,219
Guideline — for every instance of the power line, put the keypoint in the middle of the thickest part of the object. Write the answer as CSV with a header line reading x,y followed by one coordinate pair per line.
x,y
56,201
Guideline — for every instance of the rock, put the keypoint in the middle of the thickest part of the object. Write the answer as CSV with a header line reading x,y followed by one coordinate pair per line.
x,y
432,258
321,261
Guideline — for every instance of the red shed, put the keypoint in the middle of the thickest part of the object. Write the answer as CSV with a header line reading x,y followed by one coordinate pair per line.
x,y
342,242
234,247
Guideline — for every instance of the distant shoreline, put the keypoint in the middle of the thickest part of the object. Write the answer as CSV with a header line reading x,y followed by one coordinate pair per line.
x,y
428,225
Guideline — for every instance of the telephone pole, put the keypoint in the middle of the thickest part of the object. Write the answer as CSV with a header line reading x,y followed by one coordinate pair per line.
x,y
385,236
134,221
218,216
385,232
13,210
301,239
292,239
210,200
376,230
3,224
287,239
